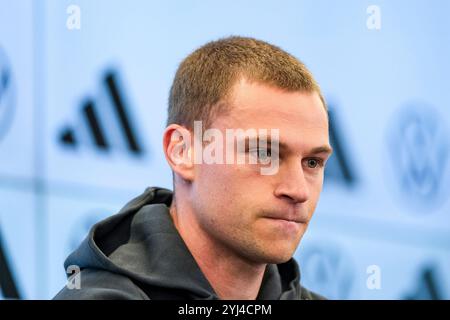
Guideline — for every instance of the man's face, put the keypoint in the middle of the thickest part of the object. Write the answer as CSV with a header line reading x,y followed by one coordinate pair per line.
x,y
263,217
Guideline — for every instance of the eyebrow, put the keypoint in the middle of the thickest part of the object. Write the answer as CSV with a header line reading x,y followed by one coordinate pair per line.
x,y
322,149
283,146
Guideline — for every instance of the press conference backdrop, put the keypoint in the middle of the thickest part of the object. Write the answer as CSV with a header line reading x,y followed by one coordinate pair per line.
x,y
83,98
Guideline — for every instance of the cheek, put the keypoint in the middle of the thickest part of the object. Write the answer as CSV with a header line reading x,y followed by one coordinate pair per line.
x,y
217,186
315,191
227,179
225,191
315,181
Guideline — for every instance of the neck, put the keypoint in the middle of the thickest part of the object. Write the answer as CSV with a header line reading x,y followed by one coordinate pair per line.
x,y
231,276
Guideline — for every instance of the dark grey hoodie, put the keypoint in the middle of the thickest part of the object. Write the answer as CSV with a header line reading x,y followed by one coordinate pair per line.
x,y
139,254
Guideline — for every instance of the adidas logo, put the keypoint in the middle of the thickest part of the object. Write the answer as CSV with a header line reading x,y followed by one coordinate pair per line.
x,y
338,169
105,123
6,94
8,286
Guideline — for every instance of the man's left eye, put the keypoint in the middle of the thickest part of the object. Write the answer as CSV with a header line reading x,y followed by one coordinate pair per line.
x,y
313,163
264,153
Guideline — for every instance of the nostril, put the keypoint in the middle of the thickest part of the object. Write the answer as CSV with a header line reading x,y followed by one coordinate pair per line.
x,y
288,198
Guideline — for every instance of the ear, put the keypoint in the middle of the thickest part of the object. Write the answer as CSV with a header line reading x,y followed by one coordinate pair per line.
x,y
178,149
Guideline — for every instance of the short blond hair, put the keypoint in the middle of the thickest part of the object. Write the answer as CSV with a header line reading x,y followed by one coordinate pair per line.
x,y
205,77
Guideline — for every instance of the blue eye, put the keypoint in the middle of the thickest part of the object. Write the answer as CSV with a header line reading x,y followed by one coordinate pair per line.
x,y
313,163
261,153
264,153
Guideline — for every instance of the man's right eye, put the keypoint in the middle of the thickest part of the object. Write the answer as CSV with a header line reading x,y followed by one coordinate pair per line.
x,y
261,153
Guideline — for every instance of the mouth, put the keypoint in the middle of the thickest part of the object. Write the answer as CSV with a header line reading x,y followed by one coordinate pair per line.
x,y
284,219
285,225
292,219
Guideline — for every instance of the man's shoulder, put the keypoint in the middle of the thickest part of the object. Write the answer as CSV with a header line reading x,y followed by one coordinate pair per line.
x,y
310,295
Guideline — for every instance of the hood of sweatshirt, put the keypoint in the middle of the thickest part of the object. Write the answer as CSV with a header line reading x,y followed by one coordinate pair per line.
x,y
142,245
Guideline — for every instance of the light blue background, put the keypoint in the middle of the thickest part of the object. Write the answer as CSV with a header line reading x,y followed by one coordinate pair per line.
x,y
376,81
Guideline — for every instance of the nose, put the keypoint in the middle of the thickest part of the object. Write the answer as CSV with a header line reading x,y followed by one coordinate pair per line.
x,y
293,185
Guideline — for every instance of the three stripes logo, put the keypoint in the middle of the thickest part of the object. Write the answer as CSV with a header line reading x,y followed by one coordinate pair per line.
x,y
339,168
427,285
8,287
6,94
106,123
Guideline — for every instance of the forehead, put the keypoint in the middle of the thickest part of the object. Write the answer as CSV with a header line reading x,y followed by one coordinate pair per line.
x,y
259,106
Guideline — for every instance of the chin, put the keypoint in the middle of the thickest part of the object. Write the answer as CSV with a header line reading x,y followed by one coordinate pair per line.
x,y
278,259
281,255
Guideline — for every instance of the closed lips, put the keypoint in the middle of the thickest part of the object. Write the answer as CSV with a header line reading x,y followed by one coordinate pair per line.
x,y
290,219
